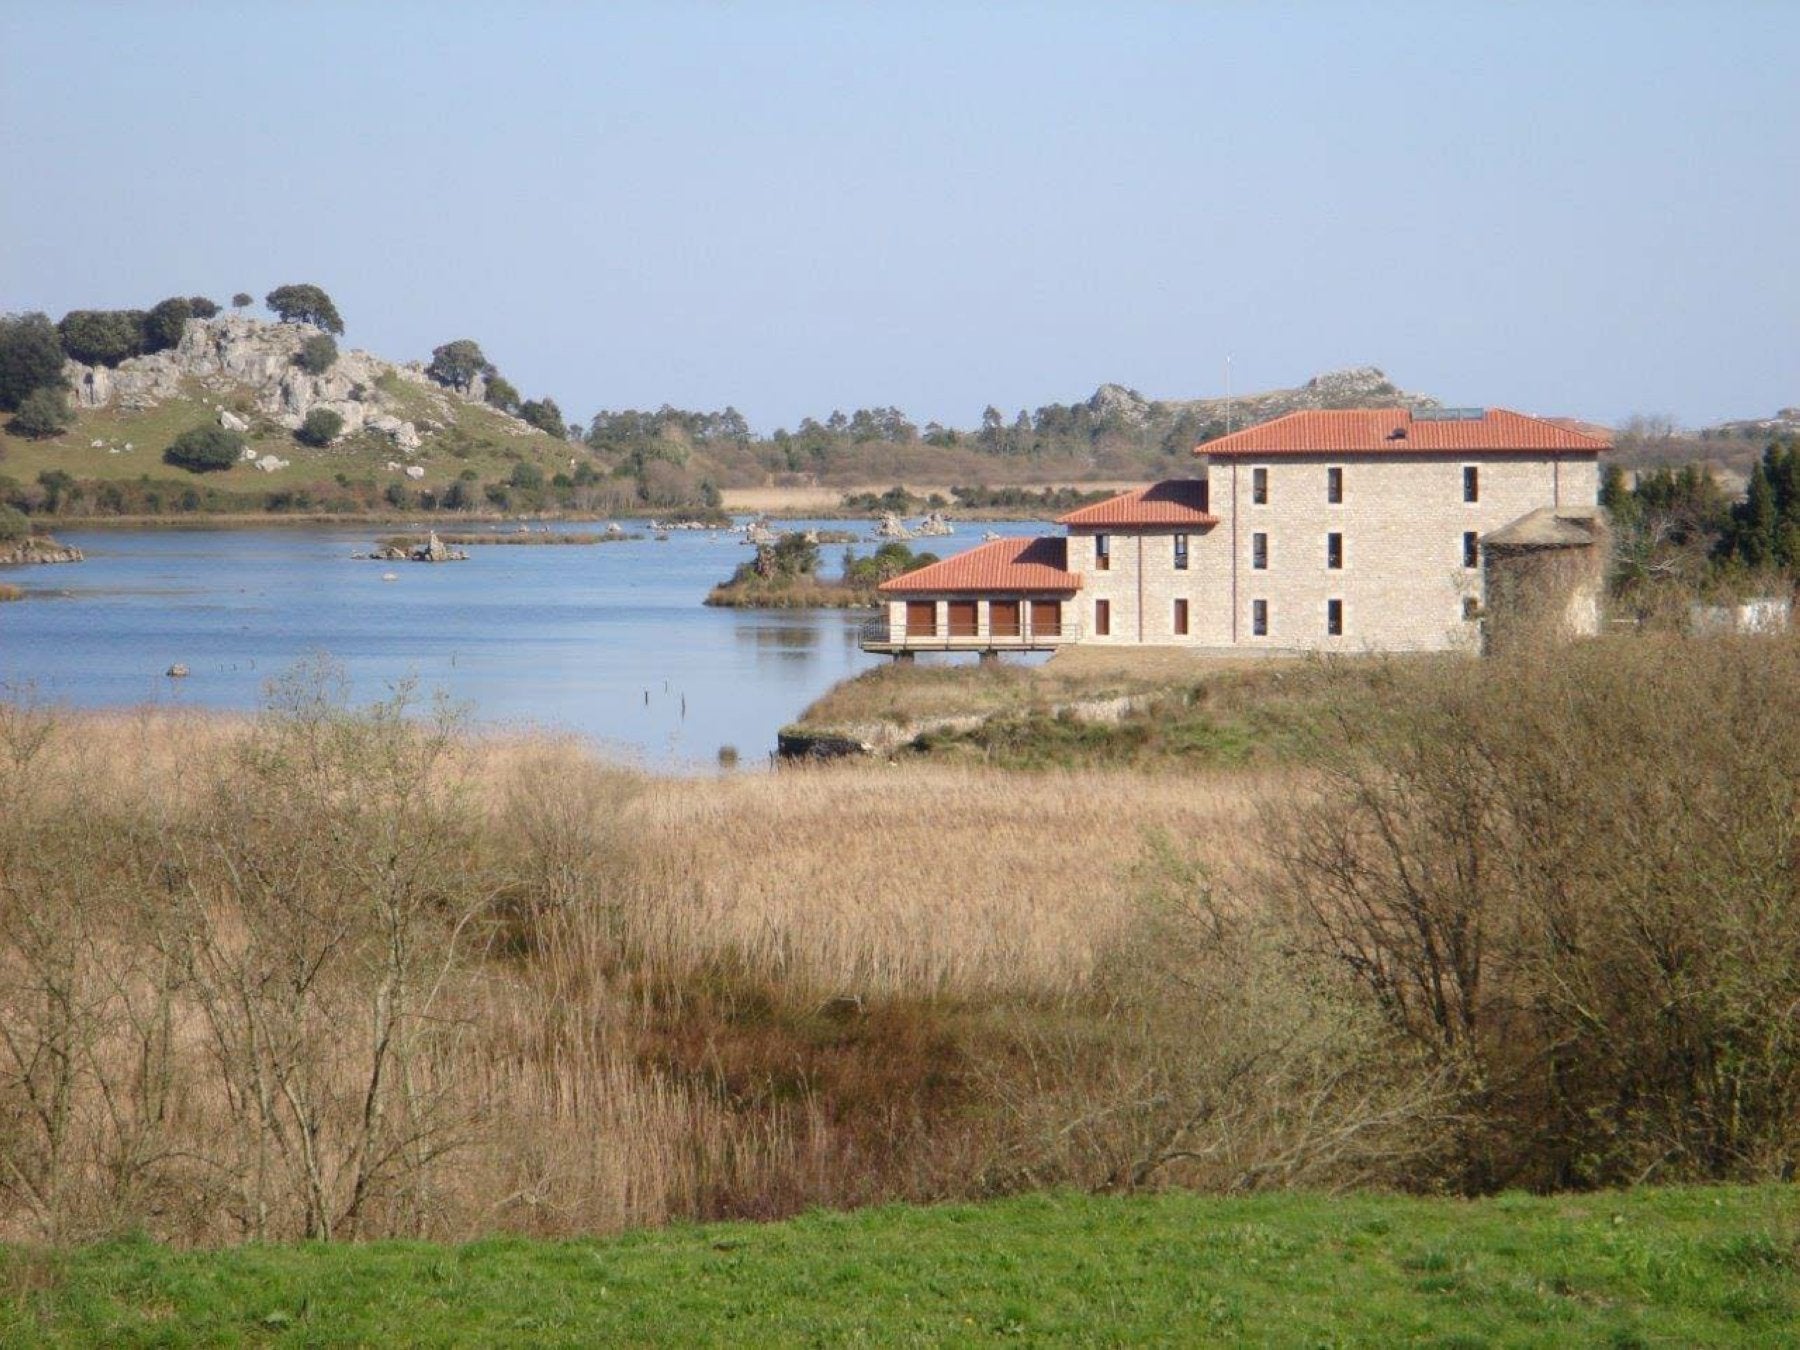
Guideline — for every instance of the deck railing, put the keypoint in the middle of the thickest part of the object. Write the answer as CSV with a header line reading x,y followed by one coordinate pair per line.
x,y
878,636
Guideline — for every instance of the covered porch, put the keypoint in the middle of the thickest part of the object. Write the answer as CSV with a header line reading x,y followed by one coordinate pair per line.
x,y
1018,623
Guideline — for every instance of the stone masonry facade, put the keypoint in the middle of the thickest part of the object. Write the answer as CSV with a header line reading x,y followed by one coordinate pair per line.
x,y
1341,549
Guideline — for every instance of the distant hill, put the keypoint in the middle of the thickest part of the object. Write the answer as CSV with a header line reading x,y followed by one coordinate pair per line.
x,y
406,442
1353,387
403,441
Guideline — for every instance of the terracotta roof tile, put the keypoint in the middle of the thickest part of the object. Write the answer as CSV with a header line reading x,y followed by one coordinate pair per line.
x,y
1374,429
1178,501
1003,565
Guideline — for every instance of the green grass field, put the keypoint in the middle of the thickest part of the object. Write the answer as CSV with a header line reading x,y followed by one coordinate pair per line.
x,y
1702,1266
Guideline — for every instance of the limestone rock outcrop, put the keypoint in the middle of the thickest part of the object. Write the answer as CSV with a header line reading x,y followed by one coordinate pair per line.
x,y
233,353
36,549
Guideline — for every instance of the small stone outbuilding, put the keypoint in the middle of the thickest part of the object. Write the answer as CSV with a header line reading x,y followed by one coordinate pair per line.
x,y
1544,578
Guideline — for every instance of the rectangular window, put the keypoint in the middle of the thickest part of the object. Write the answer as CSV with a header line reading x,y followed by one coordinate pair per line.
x,y
1471,608
1181,552
1471,483
1181,622
1471,549
1259,487
1259,618
1334,617
1259,550
1334,551
1334,486
1102,618
1102,553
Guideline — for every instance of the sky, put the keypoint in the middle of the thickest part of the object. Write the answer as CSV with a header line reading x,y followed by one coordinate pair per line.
x,y
1571,208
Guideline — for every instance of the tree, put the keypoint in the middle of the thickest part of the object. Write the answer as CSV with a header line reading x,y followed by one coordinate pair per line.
x,y
43,413
13,524
527,477
992,427
201,307
304,303
1764,529
242,300
543,414
31,357
57,485
321,427
102,337
205,449
456,364
502,394
165,323
316,354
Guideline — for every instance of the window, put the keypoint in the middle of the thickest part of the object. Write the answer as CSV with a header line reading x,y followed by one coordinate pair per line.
x,y
1471,608
1181,552
1102,618
1471,549
1334,486
1102,553
1334,551
1471,483
1334,617
1181,618
1259,487
1259,618
1259,551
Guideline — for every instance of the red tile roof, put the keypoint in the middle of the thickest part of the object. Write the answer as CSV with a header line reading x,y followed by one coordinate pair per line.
x,y
1179,501
1374,429
1040,564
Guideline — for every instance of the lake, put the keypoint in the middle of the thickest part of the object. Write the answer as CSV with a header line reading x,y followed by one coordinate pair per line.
x,y
608,641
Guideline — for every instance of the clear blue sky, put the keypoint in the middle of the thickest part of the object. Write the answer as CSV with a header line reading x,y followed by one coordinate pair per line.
x,y
1590,209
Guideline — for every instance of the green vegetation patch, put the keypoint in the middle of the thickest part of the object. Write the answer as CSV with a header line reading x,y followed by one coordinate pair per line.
x,y
1703,1266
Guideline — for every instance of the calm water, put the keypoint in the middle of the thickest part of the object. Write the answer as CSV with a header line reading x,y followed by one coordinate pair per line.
x,y
610,641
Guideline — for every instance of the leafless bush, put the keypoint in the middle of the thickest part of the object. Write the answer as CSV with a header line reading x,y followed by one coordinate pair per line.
x,y
1229,1060
1572,880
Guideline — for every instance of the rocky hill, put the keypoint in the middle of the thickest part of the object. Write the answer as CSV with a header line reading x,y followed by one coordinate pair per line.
x,y
223,360
402,441
1353,387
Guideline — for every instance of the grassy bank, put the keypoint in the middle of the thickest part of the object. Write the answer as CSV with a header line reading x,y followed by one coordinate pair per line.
x,y
790,593
1653,1267
10,593
1178,708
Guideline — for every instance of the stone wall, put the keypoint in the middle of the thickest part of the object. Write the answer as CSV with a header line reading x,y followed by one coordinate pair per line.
x,y
1143,584
1404,583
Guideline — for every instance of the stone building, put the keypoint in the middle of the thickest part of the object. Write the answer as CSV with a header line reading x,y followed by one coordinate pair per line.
x,y
1545,578
1336,531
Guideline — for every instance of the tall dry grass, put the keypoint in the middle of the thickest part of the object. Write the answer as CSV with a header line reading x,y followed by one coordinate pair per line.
x,y
331,975
316,973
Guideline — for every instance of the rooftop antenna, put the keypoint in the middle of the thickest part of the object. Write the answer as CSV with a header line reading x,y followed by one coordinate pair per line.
x,y
1229,409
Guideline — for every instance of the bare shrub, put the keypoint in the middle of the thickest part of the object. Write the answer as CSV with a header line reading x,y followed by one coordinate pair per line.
x,y
1227,1059
1571,880
329,900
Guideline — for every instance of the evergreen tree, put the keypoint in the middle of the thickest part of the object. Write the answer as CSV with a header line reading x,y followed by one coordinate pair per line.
x,y
31,357
43,413
456,364
304,303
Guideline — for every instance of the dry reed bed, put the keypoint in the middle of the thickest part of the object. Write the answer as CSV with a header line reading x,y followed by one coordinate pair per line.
x,y
629,1031
313,974
915,880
